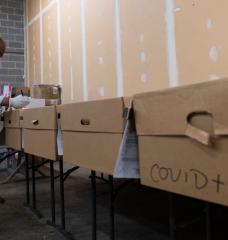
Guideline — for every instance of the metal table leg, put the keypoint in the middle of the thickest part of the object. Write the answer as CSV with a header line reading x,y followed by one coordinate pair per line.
x,y
34,205
62,227
27,180
62,197
172,227
2,200
94,205
52,180
112,217
33,184
208,221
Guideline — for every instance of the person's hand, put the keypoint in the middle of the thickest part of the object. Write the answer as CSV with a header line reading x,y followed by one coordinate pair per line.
x,y
19,102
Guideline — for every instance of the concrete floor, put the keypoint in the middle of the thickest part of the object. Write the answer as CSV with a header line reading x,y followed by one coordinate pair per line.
x,y
141,213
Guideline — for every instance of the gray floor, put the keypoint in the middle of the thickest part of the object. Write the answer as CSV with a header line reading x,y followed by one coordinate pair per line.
x,y
141,213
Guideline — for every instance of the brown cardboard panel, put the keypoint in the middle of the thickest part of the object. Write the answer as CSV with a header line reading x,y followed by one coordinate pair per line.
x,y
144,45
12,119
182,166
167,112
182,153
50,43
71,51
101,48
25,91
97,151
201,39
40,118
40,143
34,62
94,116
33,8
43,91
13,138
44,3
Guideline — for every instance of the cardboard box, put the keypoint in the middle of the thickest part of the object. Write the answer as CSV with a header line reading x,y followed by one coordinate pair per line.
x,y
183,140
43,91
40,132
13,132
92,133
25,91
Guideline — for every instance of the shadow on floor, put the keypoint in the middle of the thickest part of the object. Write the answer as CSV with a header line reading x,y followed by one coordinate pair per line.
x,y
141,213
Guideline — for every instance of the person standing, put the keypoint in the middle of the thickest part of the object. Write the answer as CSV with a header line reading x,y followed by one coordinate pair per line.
x,y
17,102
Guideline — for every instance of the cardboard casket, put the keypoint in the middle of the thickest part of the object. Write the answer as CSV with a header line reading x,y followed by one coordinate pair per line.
x,y
183,140
40,132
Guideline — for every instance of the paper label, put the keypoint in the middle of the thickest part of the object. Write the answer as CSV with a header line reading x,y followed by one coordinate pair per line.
x,y
59,140
127,165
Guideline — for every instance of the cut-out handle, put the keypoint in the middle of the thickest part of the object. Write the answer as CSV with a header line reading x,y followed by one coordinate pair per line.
x,y
9,122
196,133
35,122
85,122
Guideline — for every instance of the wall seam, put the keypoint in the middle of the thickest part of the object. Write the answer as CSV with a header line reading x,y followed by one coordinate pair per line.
x,y
26,49
59,43
171,43
119,62
84,52
41,46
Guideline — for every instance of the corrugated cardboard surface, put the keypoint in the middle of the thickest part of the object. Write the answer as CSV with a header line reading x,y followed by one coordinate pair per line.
x,y
12,119
100,44
40,143
144,45
13,138
71,40
50,47
174,160
167,112
43,91
34,58
201,39
104,116
92,133
40,118
96,151
12,123
40,132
